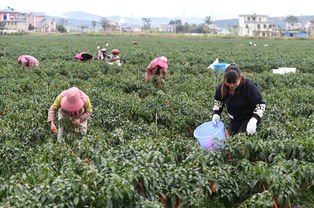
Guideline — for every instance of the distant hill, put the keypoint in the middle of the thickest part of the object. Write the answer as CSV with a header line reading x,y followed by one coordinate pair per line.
x,y
81,16
76,19
155,21
227,22
281,20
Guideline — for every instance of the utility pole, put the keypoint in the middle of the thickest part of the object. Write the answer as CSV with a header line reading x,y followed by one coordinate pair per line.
x,y
213,11
175,26
183,12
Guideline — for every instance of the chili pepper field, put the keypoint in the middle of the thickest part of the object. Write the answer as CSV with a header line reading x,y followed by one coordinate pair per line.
x,y
140,150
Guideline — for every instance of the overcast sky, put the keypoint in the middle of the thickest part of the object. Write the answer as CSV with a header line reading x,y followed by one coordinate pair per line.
x,y
217,9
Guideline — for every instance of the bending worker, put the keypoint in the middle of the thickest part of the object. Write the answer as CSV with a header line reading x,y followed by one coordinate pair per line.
x,y
84,56
244,101
74,105
28,61
157,66
114,57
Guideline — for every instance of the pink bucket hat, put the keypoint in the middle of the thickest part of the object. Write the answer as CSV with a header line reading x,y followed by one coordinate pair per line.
x,y
78,56
161,61
73,99
22,59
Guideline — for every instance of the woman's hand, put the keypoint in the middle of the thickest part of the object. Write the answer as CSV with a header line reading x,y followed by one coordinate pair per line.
x,y
76,121
251,126
215,118
53,127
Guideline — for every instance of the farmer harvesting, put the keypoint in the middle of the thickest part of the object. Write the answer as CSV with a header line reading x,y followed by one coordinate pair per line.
x,y
84,56
244,101
102,54
72,105
28,61
114,57
157,66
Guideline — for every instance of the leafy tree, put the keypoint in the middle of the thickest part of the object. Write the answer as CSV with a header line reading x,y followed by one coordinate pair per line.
x,y
94,23
178,25
291,20
61,29
147,23
195,28
179,28
208,20
83,27
186,28
175,22
63,21
234,29
31,27
104,22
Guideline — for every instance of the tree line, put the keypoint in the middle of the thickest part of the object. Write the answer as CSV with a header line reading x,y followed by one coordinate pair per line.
x,y
178,25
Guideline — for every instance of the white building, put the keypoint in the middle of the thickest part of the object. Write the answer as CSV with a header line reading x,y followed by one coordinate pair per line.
x,y
167,28
256,25
136,28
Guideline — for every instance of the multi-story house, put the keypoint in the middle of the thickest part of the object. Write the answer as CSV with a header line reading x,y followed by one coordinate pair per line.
x,y
256,25
14,21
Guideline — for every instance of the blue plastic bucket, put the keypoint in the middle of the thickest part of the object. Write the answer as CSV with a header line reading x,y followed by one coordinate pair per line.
x,y
210,136
222,66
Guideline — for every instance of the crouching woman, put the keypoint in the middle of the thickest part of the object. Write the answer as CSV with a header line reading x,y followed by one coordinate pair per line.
x,y
28,61
245,105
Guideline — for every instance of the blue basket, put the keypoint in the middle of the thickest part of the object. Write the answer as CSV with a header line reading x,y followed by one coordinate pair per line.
x,y
211,136
220,67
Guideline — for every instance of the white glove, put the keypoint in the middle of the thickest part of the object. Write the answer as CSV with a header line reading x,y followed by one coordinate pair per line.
x,y
215,118
251,126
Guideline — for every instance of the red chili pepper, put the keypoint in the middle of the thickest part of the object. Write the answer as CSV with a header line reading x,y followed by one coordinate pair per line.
x,y
141,187
163,200
87,161
275,203
227,134
213,188
178,203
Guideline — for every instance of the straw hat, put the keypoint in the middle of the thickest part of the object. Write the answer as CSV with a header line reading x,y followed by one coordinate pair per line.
x,y
73,99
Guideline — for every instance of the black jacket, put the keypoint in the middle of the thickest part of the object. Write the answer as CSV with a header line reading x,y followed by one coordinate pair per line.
x,y
246,102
